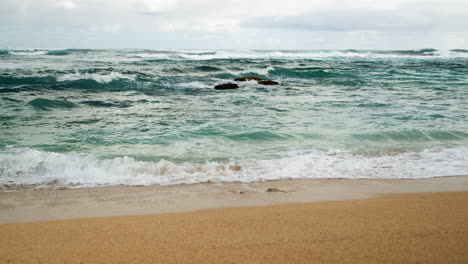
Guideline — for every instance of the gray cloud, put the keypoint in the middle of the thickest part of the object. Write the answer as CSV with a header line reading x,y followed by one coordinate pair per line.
x,y
339,21
409,19
235,23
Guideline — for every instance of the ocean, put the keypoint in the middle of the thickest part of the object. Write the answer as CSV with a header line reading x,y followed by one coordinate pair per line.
x,y
86,118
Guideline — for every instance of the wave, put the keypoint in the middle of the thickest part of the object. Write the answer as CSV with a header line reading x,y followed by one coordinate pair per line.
x,y
261,71
100,78
257,136
194,84
459,50
298,54
237,73
153,55
51,80
113,103
58,52
10,80
304,74
199,52
27,52
159,55
81,50
53,52
46,104
35,52
29,166
428,51
207,68
413,135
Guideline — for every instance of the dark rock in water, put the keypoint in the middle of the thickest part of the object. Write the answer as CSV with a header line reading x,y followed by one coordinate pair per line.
x,y
226,86
268,82
248,78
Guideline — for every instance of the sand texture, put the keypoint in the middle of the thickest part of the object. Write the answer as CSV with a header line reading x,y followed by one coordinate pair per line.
x,y
394,228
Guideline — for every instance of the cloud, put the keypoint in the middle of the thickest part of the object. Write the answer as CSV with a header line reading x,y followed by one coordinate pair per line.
x,y
107,28
155,7
67,4
421,18
252,23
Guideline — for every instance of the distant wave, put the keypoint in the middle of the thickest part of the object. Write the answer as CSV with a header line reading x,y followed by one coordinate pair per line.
x,y
415,52
28,52
320,54
306,74
156,55
460,50
58,52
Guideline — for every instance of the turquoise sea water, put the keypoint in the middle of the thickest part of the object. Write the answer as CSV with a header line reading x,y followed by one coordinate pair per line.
x,y
107,117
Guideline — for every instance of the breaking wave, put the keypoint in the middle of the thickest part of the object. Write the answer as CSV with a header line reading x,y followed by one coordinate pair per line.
x,y
58,52
100,78
34,167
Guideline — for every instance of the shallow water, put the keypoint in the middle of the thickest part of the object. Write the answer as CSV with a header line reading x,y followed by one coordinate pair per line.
x,y
106,117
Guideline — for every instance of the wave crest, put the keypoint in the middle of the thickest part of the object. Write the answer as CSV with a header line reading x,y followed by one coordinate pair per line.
x,y
100,78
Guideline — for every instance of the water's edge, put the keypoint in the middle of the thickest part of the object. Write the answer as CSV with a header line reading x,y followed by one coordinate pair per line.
x,y
52,204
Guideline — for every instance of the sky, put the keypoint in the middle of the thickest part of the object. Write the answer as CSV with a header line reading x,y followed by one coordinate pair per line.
x,y
234,24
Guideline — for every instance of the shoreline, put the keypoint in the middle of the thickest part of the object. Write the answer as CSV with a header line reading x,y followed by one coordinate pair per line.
x,y
59,204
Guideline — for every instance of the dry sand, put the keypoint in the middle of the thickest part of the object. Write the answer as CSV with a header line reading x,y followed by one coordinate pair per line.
x,y
393,228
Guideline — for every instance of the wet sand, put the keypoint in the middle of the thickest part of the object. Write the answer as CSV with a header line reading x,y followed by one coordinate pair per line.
x,y
392,228
52,204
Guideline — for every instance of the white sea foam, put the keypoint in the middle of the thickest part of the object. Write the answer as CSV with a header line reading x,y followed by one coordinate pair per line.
x,y
260,71
194,84
28,166
250,54
27,52
450,54
152,55
102,78
263,71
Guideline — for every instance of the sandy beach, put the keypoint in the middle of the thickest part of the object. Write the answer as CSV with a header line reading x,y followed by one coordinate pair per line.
x,y
363,221
404,228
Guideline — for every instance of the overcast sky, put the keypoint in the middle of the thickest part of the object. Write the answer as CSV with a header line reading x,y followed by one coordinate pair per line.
x,y
234,24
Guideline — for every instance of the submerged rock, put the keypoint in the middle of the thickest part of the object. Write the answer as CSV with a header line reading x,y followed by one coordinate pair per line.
x,y
248,78
226,86
268,82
